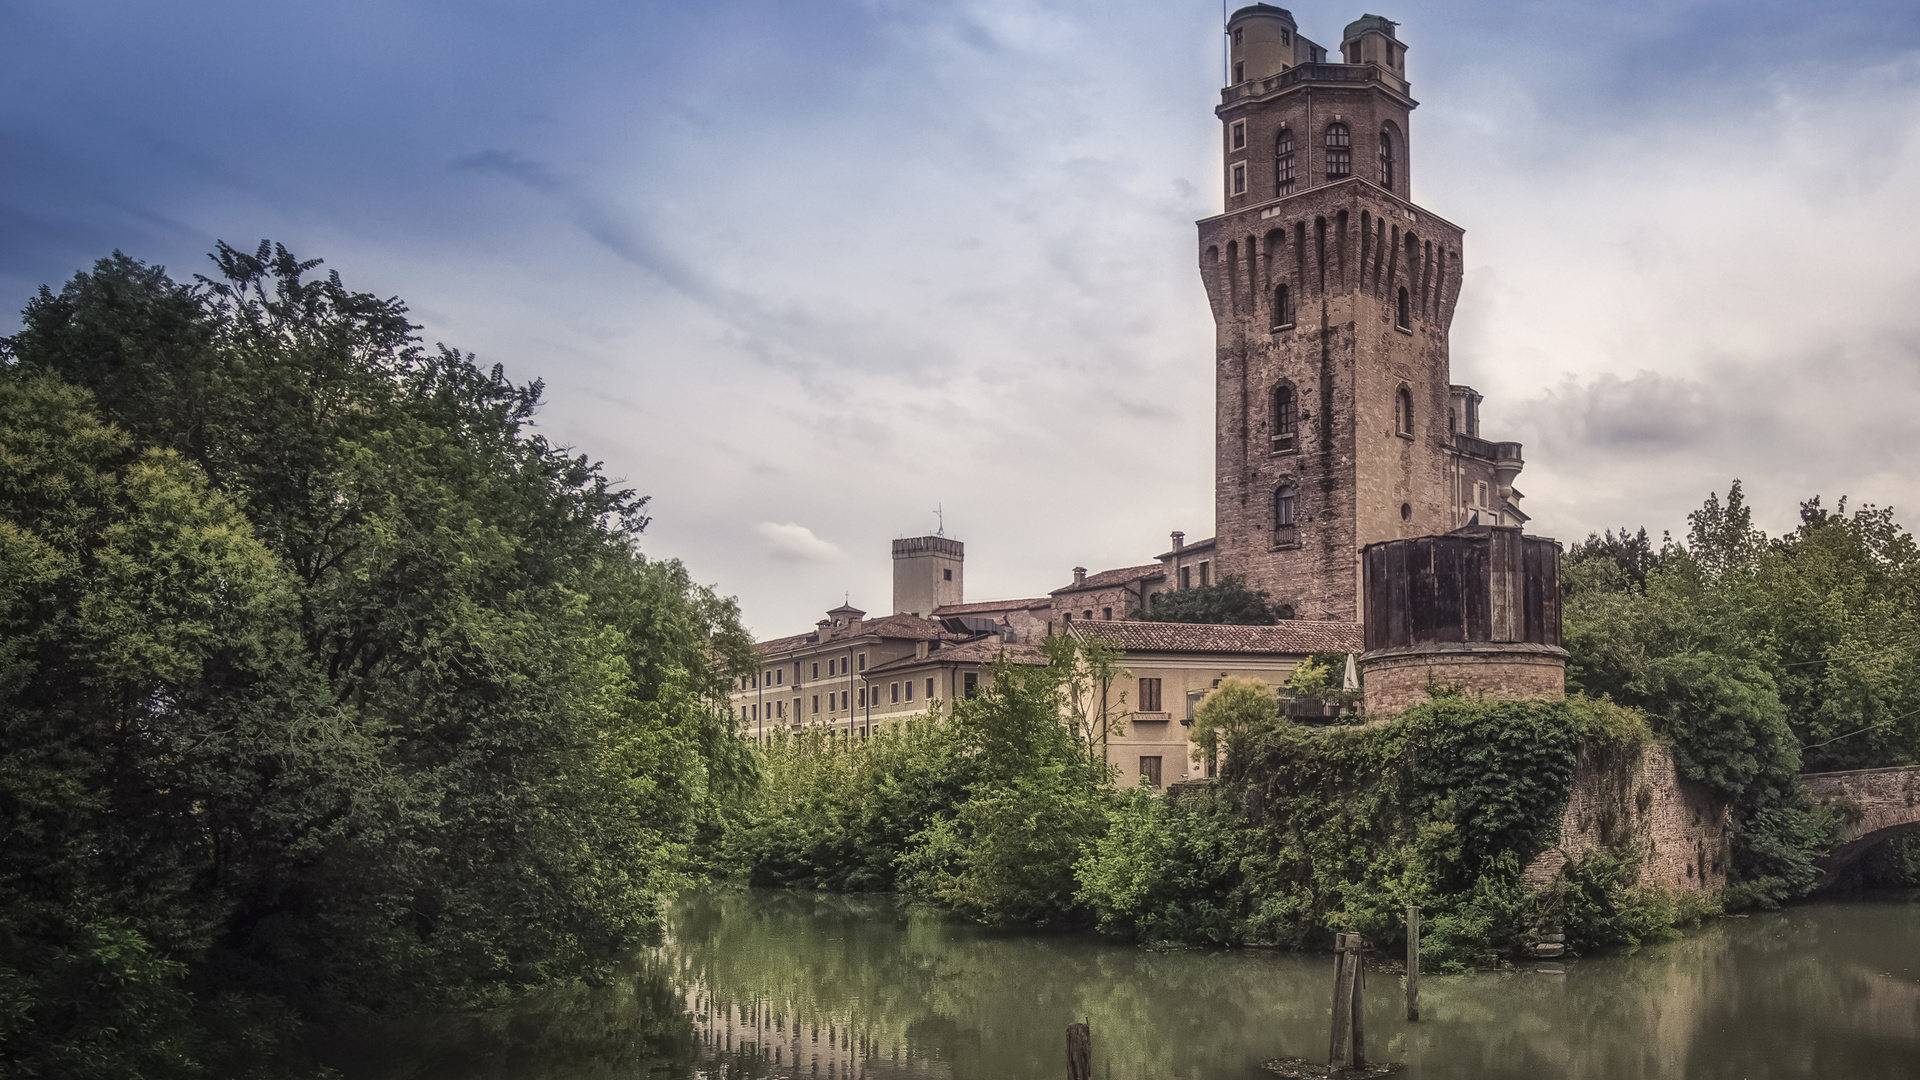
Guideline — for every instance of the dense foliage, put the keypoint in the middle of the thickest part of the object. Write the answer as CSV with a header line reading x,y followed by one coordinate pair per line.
x,y
327,687
1313,831
985,811
1228,600
1759,657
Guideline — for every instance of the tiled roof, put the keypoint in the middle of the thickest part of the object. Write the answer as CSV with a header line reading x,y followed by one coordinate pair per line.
x,y
1295,637
990,606
909,627
1197,545
984,651
1107,579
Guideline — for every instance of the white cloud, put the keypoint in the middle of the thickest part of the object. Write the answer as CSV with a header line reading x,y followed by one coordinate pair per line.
x,y
792,543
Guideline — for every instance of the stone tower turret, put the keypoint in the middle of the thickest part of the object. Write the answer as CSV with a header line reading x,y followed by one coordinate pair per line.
x,y
1332,294
927,574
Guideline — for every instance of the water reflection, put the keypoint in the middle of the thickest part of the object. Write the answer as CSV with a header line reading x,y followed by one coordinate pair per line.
x,y
781,984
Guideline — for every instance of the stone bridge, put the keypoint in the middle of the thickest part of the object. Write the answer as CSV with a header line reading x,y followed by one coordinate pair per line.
x,y
1874,805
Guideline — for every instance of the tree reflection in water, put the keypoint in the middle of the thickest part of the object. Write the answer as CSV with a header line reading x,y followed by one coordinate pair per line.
x,y
788,984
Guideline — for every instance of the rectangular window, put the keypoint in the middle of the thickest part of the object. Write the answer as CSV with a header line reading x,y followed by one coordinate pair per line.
x,y
796,672
863,661
929,689
816,704
780,677
893,693
846,699
1149,695
1339,163
909,690
756,712
1150,771
780,709
972,684
863,697
946,575
1240,179
816,670
1186,577
743,712
1206,574
1239,71
1239,134
1106,613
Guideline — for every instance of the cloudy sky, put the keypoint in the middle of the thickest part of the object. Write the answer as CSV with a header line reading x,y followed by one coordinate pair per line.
x,y
805,271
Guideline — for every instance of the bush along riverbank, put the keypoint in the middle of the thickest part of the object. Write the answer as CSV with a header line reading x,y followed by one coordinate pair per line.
x,y
1002,814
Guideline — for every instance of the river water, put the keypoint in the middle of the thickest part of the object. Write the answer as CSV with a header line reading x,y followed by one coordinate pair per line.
x,y
768,983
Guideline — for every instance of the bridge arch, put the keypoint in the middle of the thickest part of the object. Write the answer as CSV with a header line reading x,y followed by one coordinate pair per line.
x,y
1875,805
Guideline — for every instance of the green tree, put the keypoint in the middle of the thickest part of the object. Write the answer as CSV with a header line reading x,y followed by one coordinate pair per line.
x,y
1226,601
374,680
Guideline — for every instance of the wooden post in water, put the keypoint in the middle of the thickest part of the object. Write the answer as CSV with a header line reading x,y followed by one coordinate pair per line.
x,y
1347,1047
1358,951
1413,962
1079,1052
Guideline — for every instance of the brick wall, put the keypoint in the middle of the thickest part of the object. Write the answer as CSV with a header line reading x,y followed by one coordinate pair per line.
x,y
1518,672
1636,794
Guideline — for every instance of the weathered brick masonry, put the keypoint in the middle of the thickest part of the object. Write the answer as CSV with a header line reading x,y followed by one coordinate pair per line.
x,y
1636,794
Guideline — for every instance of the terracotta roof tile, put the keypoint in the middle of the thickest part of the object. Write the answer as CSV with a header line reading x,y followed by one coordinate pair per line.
x,y
1295,637
1107,579
1195,545
909,627
984,651
987,606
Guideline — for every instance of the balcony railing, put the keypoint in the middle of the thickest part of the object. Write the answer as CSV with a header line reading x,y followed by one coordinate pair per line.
x,y
1301,73
1491,451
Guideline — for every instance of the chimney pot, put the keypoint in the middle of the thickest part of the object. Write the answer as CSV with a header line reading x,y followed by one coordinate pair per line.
x,y
1079,575
1179,539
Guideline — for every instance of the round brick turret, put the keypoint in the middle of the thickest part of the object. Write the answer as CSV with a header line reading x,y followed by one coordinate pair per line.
x,y
1477,609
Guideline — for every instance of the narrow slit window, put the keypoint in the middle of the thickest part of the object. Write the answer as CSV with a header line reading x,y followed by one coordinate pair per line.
x,y
1403,316
1282,307
1403,411
1386,160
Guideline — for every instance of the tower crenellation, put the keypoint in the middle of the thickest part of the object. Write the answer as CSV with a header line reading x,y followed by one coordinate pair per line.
x,y
1337,424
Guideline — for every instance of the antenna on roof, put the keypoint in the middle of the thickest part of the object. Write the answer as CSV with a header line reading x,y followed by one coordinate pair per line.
x,y
941,514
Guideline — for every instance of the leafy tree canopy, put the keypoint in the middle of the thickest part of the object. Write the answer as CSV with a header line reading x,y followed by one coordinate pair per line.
x,y
1226,601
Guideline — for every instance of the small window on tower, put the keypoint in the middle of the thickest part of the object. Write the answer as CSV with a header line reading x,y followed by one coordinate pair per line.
x,y
1403,314
1282,307
1283,162
1403,412
1239,71
1239,33
1239,134
1286,419
946,575
1339,151
1283,507
1240,179
1386,160
1106,613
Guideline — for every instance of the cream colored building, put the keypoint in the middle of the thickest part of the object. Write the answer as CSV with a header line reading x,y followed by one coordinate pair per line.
x,y
1172,666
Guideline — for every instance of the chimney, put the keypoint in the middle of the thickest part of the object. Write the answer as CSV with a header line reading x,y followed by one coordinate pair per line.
x,y
1179,539
1079,576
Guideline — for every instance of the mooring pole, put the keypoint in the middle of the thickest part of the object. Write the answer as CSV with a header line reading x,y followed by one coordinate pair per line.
x,y
1345,1048
1359,1002
1413,962
1079,1052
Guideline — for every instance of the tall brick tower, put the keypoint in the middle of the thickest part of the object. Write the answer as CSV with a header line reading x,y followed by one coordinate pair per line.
x,y
1335,422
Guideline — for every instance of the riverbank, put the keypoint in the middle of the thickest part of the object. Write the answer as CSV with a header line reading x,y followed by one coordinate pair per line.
x,y
779,983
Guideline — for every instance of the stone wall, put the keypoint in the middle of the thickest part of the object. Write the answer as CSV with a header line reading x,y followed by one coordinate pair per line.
x,y
1636,794
1398,679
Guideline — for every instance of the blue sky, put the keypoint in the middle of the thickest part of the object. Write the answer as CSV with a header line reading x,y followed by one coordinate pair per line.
x,y
803,272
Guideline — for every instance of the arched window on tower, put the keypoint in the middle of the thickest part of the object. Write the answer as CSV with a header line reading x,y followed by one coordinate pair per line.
x,y
1283,510
1386,159
1283,170
1339,151
1403,315
1286,419
1403,412
1282,307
